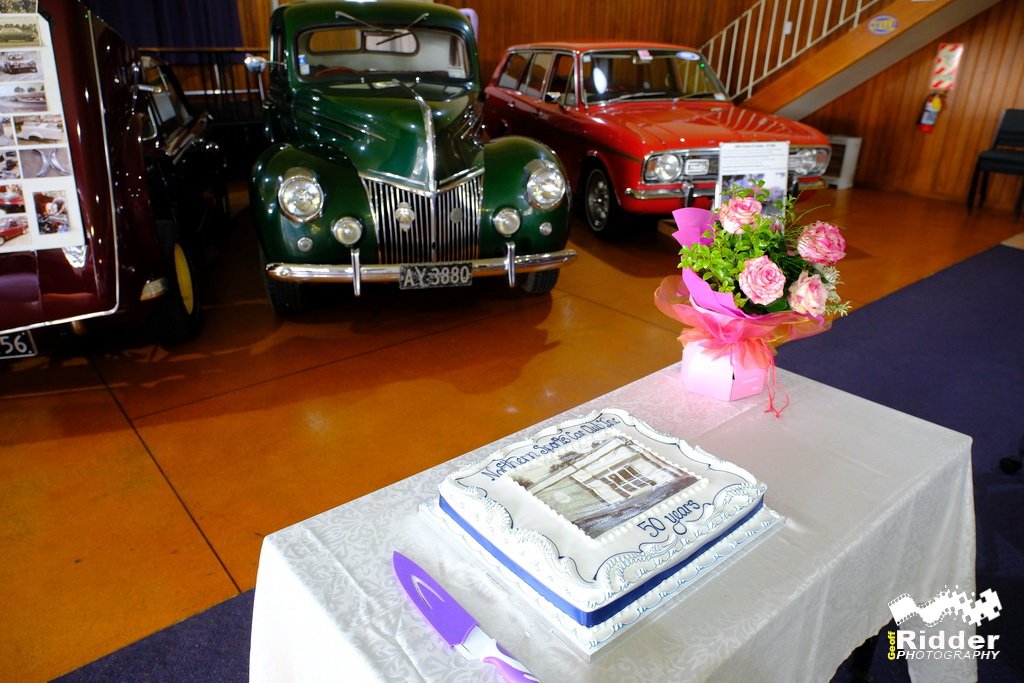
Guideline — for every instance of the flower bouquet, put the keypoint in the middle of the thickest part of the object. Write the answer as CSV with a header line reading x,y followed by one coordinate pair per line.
x,y
751,280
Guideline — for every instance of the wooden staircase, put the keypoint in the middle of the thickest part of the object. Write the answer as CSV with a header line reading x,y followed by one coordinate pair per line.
x,y
859,54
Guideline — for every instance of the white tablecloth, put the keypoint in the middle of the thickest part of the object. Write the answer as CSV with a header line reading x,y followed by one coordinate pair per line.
x,y
877,504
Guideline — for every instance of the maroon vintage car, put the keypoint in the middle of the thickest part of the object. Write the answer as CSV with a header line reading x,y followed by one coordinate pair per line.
x,y
127,185
637,125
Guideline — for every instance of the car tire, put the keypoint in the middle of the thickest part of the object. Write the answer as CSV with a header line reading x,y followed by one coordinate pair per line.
x,y
286,298
178,316
601,209
539,281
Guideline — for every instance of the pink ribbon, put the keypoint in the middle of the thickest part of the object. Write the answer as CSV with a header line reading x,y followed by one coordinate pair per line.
x,y
712,318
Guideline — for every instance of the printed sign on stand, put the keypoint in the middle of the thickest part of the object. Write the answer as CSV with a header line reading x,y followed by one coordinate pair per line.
x,y
746,164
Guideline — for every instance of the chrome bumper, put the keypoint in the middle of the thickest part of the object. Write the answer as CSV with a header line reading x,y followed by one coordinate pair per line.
x,y
687,191
509,265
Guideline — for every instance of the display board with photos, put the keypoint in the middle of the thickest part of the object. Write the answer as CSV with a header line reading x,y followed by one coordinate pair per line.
x,y
753,164
38,202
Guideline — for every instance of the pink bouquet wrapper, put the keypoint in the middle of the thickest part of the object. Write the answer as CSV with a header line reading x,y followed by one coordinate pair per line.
x,y
727,354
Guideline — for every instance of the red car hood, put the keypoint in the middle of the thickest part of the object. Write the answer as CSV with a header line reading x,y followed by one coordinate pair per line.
x,y
663,125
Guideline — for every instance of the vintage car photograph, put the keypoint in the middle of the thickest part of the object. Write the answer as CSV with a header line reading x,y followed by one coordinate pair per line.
x,y
11,227
377,170
148,184
22,64
11,199
46,129
18,33
637,125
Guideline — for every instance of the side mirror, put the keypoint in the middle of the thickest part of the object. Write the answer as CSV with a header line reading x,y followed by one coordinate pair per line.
x,y
255,64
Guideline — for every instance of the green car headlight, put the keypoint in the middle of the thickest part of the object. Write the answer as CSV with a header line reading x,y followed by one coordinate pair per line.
x,y
662,168
347,230
507,221
300,196
545,187
809,160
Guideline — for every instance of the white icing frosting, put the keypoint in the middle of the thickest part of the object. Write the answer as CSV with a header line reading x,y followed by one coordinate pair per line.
x,y
549,505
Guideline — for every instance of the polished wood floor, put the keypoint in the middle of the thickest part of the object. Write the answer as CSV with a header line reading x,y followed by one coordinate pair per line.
x,y
136,484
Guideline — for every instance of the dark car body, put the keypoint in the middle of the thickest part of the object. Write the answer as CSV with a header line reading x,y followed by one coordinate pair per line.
x,y
378,172
111,232
611,110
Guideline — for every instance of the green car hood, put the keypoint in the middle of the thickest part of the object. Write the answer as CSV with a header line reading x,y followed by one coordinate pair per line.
x,y
422,133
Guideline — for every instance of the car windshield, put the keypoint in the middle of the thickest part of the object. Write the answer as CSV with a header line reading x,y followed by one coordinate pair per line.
x,y
648,74
347,53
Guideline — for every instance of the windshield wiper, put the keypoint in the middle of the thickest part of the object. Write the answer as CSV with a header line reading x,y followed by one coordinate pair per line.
x,y
631,95
698,96
339,15
405,31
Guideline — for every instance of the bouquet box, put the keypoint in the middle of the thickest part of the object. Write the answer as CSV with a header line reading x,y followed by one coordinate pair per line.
x,y
719,377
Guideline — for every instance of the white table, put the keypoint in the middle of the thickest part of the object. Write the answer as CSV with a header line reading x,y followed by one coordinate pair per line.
x,y
877,503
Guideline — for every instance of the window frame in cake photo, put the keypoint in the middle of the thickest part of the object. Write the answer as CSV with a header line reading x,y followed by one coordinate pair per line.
x,y
577,493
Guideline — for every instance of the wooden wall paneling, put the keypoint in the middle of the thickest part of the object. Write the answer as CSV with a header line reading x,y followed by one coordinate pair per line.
x,y
884,112
254,18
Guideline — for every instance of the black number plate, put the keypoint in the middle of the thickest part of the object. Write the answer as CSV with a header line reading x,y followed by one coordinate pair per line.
x,y
431,275
17,345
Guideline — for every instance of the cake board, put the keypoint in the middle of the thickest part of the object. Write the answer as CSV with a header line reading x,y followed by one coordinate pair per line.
x,y
589,645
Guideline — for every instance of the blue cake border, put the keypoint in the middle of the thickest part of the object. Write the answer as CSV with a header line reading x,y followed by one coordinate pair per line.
x,y
606,612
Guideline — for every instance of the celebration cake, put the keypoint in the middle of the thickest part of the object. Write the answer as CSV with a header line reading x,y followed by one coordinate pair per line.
x,y
600,519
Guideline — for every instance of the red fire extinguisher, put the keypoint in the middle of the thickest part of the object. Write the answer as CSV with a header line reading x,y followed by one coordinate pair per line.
x,y
930,112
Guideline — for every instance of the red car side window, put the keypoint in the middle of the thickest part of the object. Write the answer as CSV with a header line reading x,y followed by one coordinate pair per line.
x,y
561,80
515,67
538,74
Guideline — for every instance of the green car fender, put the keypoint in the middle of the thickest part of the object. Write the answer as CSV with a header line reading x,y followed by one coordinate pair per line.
x,y
343,196
508,164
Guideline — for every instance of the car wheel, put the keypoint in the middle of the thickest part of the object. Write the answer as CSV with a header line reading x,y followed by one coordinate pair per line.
x,y
539,281
600,207
178,316
286,298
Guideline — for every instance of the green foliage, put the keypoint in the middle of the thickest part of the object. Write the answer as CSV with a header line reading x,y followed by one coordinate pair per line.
x,y
773,234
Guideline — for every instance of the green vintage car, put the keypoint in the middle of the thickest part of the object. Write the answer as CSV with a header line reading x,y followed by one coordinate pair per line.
x,y
377,169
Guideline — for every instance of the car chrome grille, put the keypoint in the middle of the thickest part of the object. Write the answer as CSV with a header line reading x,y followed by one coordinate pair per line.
x,y
445,228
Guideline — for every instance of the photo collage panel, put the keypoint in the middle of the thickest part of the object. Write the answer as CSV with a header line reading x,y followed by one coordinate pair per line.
x,y
38,202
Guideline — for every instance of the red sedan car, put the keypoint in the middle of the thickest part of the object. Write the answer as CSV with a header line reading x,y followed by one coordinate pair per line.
x,y
637,125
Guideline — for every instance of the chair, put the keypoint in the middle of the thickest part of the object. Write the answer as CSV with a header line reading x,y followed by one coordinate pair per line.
x,y
1005,156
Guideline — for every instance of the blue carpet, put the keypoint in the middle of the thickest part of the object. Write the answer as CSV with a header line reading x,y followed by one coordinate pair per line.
x,y
211,646
949,349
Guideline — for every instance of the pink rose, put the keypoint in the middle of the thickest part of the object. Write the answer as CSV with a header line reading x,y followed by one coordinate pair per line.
x,y
808,295
821,243
738,214
761,280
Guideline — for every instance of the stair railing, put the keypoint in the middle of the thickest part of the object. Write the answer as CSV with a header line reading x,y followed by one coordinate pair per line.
x,y
772,33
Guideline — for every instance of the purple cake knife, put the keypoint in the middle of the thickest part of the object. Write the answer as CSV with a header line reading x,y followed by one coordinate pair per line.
x,y
453,623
